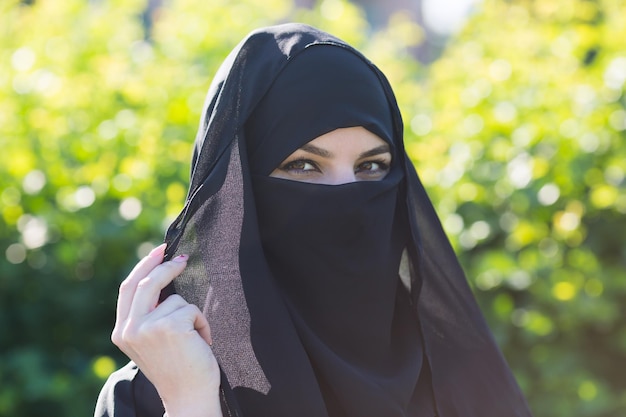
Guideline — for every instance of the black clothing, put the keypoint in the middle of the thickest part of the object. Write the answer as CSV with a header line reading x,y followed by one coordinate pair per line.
x,y
300,281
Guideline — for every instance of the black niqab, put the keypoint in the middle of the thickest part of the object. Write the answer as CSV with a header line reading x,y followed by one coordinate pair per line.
x,y
334,250
374,348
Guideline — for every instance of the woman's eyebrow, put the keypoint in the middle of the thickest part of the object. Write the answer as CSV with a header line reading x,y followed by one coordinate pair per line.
x,y
317,151
376,151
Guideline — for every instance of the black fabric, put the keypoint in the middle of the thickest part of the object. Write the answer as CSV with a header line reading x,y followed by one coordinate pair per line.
x,y
128,393
280,355
334,252
320,91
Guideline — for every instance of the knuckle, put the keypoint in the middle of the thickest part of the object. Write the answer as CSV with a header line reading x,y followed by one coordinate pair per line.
x,y
192,309
125,285
144,283
132,338
194,313
176,300
159,328
116,338
123,335
131,335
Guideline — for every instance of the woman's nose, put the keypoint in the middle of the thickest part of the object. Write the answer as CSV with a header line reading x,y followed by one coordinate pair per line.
x,y
342,176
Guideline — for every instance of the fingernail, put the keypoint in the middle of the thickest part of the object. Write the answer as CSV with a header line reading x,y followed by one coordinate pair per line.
x,y
181,258
158,251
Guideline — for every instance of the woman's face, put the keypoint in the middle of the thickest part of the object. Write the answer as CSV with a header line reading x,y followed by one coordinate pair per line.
x,y
338,157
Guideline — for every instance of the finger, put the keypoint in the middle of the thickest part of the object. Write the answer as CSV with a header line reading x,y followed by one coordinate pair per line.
x,y
194,317
154,258
177,304
167,307
149,288
201,324
129,285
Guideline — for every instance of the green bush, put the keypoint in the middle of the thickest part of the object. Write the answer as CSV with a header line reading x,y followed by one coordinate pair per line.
x,y
519,134
97,118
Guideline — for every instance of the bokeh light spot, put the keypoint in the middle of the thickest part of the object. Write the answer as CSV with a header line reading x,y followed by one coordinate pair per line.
x,y
144,249
564,291
84,196
130,208
520,170
33,182
10,196
587,391
107,129
594,288
122,182
617,120
519,280
548,194
421,124
103,367
488,280
567,221
505,112
473,124
589,142
332,9
604,196
538,323
615,73
23,59
500,70
480,230
16,253
34,231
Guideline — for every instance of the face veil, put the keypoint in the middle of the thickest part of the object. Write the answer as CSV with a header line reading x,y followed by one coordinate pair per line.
x,y
260,273
334,250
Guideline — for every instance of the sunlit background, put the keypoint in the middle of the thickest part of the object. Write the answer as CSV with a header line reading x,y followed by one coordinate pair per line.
x,y
514,116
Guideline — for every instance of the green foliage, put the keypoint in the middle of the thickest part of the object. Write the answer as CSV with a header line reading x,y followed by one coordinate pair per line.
x,y
97,118
519,134
516,131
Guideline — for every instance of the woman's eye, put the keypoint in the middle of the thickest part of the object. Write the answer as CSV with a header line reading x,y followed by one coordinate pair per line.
x,y
300,165
369,166
373,168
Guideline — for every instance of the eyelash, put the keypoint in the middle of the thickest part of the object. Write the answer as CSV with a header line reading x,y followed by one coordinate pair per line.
x,y
382,164
289,166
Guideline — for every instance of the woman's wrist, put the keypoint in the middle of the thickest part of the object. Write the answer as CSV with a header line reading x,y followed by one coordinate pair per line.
x,y
200,404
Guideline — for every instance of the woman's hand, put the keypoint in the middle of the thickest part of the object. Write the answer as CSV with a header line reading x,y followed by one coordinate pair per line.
x,y
169,342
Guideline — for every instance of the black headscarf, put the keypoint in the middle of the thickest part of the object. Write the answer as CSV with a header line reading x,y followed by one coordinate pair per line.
x,y
334,250
300,281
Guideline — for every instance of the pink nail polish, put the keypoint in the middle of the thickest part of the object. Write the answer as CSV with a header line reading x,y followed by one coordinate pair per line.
x,y
158,251
181,258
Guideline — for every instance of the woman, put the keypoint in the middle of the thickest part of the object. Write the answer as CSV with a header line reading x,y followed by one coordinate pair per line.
x,y
310,247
